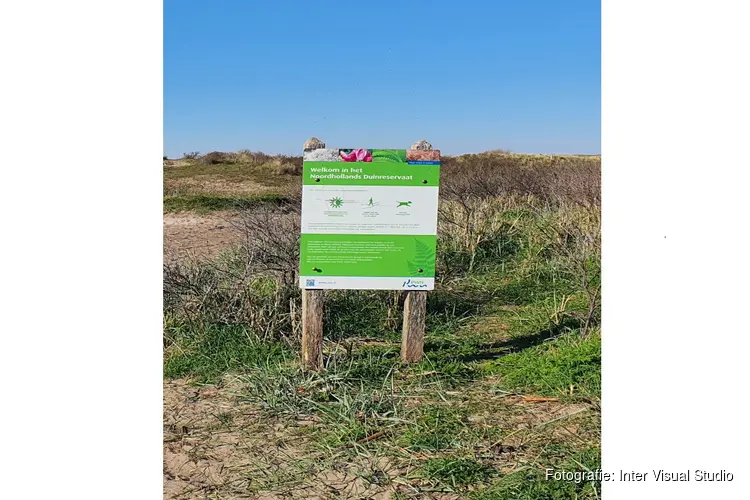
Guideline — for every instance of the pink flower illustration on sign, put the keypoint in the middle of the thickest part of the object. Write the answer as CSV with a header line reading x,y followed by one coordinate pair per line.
x,y
357,155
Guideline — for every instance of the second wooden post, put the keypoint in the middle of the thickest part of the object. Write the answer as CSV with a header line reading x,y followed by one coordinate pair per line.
x,y
312,329
412,336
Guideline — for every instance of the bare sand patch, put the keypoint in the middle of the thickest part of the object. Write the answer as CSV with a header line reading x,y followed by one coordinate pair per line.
x,y
187,235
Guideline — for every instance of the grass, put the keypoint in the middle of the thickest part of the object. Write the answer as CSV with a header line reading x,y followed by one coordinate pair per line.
x,y
206,352
515,312
201,203
235,182
567,366
531,483
457,472
435,428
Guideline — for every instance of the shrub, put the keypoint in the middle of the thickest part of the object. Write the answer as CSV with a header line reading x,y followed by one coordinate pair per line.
x,y
271,238
215,157
552,179
289,169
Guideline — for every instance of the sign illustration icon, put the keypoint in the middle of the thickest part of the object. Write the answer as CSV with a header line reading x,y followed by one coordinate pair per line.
x,y
403,204
336,202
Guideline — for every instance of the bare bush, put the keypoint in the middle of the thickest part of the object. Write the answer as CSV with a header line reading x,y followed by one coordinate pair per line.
x,y
468,222
291,160
574,234
289,169
253,284
216,157
271,238
259,158
477,190
224,292
191,156
549,178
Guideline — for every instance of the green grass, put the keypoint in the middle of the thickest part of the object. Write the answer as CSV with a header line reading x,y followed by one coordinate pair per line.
x,y
552,368
435,428
238,171
371,319
531,483
200,203
205,352
200,187
457,472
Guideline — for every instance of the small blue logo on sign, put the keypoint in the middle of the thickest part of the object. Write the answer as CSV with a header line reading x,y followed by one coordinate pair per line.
x,y
414,284
310,283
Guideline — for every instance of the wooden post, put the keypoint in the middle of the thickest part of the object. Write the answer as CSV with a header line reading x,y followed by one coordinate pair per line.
x,y
412,337
415,310
312,329
312,308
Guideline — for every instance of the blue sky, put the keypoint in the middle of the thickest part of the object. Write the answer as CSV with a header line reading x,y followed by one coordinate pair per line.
x,y
467,76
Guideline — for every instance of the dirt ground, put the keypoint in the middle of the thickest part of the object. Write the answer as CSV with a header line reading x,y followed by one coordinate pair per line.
x,y
200,236
218,447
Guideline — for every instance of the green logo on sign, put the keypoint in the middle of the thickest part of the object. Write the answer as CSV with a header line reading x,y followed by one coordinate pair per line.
x,y
403,204
336,202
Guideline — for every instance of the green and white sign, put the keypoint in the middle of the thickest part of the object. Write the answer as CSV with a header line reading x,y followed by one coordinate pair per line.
x,y
369,219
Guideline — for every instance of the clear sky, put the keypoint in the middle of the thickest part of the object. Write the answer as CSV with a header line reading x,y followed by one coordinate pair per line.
x,y
467,76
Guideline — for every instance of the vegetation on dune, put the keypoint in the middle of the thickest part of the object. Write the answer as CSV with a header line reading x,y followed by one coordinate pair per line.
x,y
210,178
201,203
229,181
516,312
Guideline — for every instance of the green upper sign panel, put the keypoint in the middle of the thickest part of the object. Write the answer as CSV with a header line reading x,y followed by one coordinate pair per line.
x,y
375,173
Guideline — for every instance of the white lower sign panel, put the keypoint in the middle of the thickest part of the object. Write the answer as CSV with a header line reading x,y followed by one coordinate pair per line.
x,y
366,283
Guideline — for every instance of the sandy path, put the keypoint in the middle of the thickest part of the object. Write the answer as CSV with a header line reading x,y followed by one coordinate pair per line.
x,y
191,235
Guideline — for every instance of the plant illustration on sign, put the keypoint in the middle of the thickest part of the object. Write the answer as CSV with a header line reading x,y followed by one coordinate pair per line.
x,y
356,155
389,155
336,202
424,260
